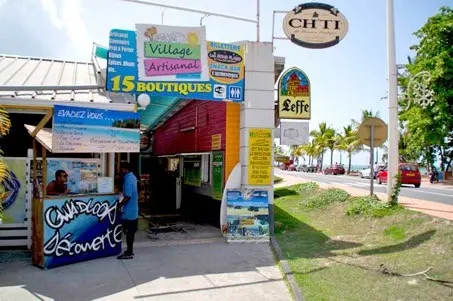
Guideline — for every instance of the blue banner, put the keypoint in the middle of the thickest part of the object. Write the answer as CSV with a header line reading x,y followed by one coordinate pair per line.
x,y
174,61
85,130
80,228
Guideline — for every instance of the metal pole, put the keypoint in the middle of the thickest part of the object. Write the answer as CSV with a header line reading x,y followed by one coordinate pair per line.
x,y
191,10
372,160
258,20
162,17
273,29
393,156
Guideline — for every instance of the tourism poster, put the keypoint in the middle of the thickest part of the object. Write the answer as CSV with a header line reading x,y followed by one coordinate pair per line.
x,y
173,61
82,173
247,215
86,130
15,190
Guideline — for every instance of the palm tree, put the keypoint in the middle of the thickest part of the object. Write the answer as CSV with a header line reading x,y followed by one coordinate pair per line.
x,y
332,140
365,115
311,149
350,143
5,125
324,138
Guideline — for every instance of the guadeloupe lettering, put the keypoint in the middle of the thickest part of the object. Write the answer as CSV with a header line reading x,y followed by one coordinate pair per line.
x,y
128,84
299,107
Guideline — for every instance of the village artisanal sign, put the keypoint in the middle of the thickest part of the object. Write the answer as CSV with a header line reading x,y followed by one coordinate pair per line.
x,y
315,25
294,95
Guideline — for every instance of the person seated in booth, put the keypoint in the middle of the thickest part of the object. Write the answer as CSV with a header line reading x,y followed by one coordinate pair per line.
x,y
58,186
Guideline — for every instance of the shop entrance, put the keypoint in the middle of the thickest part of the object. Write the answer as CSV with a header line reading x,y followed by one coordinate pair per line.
x,y
182,177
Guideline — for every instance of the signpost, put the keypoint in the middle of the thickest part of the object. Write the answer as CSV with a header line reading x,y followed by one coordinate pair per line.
x,y
372,133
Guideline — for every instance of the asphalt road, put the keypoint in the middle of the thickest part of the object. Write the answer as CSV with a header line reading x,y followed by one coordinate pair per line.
x,y
437,194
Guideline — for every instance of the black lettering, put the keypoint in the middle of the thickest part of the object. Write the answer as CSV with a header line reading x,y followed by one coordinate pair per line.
x,y
308,22
291,23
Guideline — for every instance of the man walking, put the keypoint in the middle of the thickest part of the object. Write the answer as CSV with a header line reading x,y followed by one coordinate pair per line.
x,y
129,204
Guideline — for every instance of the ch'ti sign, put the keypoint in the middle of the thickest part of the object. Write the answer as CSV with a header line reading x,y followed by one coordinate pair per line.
x,y
294,95
315,25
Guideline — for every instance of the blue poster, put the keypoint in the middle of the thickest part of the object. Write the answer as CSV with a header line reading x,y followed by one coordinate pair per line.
x,y
85,130
172,61
247,214
80,228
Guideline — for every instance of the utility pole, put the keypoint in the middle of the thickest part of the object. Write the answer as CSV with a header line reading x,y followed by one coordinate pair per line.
x,y
393,133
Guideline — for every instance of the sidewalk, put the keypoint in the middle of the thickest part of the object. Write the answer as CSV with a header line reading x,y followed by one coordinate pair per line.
x,y
430,208
209,271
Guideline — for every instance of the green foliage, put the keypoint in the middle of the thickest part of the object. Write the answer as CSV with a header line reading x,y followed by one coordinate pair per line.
x,y
396,232
369,206
307,187
325,198
427,131
277,179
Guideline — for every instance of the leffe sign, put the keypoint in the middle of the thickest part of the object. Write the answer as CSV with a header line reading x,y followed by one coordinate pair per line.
x,y
315,25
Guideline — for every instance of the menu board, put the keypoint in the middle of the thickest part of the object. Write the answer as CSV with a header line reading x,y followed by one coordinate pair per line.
x,y
260,157
86,130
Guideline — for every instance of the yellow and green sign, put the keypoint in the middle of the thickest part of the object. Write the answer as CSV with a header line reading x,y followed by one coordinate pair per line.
x,y
294,90
217,175
260,157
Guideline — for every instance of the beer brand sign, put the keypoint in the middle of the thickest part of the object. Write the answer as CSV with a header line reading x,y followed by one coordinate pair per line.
x,y
315,25
294,100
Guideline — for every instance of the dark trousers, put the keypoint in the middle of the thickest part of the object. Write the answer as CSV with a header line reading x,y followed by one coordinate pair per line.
x,y
129,228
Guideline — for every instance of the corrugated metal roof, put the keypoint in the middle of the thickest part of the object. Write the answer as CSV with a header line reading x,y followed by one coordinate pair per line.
x,y
54,80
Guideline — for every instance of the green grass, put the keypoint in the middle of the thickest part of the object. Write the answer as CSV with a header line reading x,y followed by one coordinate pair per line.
x,y
277,179
335,256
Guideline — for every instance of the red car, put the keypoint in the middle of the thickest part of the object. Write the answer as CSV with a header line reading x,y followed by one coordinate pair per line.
x,y
336,169
410,175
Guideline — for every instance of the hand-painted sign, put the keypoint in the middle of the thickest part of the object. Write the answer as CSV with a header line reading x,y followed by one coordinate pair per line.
x,y
315,25
174,61
247,215
84,130
294,95
80,228
260,157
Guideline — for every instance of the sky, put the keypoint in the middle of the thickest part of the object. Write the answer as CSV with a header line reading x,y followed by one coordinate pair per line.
x,y
345,79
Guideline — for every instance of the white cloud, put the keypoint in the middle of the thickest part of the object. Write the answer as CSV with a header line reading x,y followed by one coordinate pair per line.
x,y
67,16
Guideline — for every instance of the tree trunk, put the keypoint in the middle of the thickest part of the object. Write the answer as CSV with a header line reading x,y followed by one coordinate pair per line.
x,y
331,156
349,165
442,158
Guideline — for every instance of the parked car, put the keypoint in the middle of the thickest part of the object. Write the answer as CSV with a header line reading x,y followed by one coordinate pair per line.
x,y
302,167
336,169
365,173
410,175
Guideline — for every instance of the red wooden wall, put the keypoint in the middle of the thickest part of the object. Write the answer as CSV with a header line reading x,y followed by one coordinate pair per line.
x,y
175,136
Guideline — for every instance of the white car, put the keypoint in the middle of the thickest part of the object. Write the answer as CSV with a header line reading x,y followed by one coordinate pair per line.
x,y
365,173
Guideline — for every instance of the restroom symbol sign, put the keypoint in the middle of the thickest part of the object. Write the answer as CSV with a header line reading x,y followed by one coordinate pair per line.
x,y
235,93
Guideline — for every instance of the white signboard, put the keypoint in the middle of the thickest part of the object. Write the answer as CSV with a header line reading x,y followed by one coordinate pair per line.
x,y
294,133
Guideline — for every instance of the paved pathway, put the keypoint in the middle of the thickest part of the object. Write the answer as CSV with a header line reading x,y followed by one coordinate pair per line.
x,y
211,271
428,207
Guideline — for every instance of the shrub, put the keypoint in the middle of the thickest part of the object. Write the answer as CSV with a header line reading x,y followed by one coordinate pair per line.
x,y
325,198
277,179
309,186
369,206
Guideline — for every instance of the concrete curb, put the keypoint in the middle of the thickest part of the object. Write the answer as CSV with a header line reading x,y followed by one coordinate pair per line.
x,y
297,292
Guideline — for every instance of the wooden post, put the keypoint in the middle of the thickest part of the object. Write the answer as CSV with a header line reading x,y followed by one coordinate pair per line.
x,y
35,167
44,172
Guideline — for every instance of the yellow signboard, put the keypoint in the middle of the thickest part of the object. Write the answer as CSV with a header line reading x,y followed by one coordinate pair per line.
x,y
216,141
260,157
294,95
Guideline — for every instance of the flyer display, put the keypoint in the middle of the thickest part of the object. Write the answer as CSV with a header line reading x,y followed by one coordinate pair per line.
x,y
174,61
86,130
247,215
82,174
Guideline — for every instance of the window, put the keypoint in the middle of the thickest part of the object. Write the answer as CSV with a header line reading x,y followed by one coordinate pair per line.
x,y
206,168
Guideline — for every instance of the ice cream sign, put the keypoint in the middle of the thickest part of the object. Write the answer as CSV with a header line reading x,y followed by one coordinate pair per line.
x,y
175,62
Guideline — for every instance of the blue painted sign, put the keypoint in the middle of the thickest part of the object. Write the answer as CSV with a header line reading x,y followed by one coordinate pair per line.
x,y
247,214
170,61
85,130
80,228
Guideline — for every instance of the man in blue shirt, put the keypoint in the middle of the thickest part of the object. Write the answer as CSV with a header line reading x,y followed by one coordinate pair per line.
x,y
129,204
